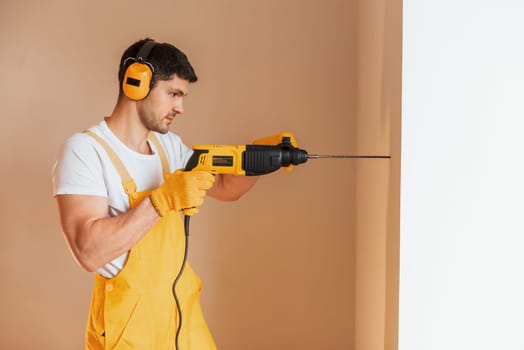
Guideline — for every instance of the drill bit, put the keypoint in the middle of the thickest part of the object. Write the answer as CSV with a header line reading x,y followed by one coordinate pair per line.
x,y
317,156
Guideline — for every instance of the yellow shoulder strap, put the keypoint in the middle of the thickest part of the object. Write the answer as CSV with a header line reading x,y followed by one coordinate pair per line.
x,y
161,153
127,182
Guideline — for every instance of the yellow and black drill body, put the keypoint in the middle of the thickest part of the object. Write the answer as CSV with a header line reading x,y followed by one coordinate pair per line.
x,y
246,160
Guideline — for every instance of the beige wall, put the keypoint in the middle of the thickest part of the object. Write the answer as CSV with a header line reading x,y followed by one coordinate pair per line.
x,y
377,190
308,258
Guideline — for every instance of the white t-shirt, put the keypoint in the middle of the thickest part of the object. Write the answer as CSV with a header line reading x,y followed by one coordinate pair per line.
x,y
84,168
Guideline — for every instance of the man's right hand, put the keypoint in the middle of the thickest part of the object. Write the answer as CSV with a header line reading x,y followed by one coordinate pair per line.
x,y
182,190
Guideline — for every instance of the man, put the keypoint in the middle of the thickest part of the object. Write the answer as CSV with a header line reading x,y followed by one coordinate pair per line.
x,y
120,188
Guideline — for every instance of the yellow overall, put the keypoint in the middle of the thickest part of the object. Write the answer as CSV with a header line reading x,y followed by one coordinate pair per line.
x,y
136,309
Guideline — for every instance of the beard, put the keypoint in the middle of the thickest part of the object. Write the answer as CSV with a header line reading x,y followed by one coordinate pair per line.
x,y
154,123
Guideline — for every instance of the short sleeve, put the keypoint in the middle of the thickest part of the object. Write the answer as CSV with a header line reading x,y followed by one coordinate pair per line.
x,y
78,168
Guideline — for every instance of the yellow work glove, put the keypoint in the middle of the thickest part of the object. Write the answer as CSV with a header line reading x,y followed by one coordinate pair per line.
x,y
276,139
182,190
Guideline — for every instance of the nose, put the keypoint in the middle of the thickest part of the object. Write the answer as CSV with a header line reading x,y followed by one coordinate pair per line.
x,y
178,107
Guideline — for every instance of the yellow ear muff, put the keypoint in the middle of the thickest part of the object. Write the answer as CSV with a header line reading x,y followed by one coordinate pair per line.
x,y
137,81
137,77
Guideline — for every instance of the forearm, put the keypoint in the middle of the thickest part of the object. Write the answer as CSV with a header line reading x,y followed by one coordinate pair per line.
x,y
231,187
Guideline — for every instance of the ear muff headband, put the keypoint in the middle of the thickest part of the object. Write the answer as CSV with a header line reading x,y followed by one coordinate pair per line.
x,y
137,77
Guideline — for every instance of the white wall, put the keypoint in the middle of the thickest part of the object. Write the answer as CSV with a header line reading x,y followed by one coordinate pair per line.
x,y
462,187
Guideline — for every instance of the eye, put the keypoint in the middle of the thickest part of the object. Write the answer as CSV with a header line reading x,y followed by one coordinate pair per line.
x,y
177,94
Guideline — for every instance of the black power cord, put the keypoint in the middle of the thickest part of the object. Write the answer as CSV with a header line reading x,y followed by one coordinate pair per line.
x,y
173,288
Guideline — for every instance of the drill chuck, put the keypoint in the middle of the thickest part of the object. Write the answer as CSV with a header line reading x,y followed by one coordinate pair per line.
x,y
264,159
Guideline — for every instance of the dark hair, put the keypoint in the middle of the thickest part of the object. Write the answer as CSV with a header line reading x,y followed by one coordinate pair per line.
x,y
166,60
